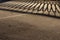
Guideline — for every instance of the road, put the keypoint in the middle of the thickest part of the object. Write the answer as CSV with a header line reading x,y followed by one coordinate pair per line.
x,y
20,26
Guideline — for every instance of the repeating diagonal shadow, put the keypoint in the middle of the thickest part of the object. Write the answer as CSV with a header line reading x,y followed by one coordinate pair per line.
x,y
57,17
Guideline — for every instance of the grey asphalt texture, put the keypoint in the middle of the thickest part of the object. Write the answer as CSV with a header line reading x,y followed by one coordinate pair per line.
x,y
20,26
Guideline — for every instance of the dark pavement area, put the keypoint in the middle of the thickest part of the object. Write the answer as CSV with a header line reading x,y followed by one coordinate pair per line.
x,y
19,26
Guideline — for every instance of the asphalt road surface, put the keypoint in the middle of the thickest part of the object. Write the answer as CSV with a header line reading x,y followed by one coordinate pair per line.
x,y
20,26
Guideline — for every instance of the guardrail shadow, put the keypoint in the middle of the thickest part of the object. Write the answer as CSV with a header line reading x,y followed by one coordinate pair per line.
x,y
57,17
